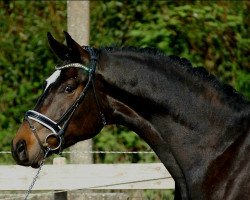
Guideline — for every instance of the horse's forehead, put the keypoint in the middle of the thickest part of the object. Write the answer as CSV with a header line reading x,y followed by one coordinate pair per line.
x,y
52,78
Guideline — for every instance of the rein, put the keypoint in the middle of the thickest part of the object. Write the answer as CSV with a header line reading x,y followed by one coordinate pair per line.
x,y
58,128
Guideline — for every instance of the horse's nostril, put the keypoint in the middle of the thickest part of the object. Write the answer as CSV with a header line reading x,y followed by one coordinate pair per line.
x,y
21,150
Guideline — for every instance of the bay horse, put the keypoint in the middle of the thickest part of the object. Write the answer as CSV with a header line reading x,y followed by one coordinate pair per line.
x,y
197,126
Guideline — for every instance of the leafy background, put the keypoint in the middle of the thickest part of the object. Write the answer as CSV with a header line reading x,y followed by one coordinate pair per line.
x,y
212,34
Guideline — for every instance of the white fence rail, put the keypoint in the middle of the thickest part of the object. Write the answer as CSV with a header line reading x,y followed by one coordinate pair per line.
x,y
87,176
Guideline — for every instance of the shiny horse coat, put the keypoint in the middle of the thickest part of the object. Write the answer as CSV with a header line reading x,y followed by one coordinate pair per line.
x,y
198,127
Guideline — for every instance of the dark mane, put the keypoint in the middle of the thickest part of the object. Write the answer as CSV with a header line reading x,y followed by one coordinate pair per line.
x,y
228,93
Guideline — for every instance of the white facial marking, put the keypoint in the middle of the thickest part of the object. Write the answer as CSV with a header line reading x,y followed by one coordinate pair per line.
x,y
52,78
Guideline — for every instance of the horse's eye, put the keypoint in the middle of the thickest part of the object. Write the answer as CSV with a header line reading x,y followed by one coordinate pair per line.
x,y
69,89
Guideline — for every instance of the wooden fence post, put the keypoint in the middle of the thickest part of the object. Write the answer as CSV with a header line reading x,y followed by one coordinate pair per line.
x,y
78,28
60,195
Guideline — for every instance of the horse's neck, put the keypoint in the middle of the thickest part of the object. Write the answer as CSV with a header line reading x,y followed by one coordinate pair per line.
x,y
188,114
183,118
138,83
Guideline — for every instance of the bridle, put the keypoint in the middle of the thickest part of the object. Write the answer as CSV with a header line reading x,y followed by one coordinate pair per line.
x,y
58,128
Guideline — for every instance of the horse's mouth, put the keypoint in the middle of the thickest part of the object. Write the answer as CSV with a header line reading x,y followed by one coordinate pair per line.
x,y
36,165
37,161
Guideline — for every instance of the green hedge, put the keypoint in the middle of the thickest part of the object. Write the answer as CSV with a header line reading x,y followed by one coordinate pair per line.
x,y
25,58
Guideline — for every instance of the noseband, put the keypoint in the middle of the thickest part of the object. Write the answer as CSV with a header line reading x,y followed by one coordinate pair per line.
x,y
57,130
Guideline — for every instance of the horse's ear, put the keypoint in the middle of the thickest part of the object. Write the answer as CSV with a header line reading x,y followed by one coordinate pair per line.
x,y
76,50
58,48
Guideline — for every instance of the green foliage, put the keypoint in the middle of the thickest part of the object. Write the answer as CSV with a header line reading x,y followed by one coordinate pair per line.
x,y
25,58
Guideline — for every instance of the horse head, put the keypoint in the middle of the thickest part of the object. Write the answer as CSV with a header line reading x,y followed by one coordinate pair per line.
x,y
69,95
